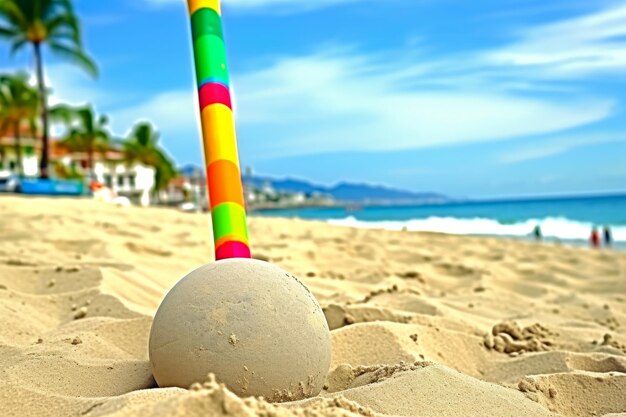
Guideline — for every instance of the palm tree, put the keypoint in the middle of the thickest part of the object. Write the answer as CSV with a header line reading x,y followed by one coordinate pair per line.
x,y
86,131
142,146
19,105
49,22
2,156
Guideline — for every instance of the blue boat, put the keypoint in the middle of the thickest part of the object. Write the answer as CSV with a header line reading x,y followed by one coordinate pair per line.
x,y
52,187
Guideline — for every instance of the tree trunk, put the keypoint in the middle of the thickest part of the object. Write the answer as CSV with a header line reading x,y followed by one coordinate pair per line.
x,y
45,152
18,149
90,173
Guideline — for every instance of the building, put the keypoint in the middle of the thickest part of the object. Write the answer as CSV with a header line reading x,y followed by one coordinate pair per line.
x,y
134,181
9,159
188,190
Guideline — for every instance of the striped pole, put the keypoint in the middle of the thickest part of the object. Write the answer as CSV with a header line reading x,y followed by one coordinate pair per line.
x,y
230,231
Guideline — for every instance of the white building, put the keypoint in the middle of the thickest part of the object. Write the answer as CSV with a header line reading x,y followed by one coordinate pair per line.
x,y
9,159
131,181
135,181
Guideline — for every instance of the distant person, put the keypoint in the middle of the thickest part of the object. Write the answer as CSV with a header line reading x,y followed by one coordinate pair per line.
x,y
594,239
537,233
608,237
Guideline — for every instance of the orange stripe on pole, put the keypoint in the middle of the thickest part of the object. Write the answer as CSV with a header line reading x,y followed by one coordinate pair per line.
x,y
224,181
218,131
230,238
195,5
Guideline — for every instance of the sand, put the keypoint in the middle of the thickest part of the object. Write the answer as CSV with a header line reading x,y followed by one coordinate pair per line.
x,y
422,324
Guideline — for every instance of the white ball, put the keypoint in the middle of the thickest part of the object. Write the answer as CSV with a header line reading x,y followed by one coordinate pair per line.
x,y
253,325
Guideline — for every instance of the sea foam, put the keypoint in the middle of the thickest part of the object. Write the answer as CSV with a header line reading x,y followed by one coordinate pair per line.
x,y
551,227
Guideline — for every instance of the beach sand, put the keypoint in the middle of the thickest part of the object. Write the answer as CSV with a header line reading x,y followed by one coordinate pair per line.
x,y
422,324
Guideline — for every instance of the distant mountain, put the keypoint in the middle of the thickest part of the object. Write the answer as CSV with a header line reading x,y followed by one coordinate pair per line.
x,y
348,192
364,192
343,192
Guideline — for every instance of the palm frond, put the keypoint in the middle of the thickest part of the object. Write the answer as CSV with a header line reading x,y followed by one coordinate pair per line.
x,y
8,32
86,116
18,45
165,170
33,124
30,8
66,5
62,113
19,101
86,132
65,26
76,55
13,12
62,37
141,146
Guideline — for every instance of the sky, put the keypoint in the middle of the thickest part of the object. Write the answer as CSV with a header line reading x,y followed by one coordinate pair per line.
x,y
467,98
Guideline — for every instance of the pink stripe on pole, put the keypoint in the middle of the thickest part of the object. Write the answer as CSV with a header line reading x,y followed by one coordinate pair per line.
x,y
232,249
214,93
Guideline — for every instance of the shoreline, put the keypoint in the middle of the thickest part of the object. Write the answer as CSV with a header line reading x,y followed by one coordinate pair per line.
x,y
377,225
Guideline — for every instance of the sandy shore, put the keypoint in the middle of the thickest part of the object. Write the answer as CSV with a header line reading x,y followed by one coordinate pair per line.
x,y
422,324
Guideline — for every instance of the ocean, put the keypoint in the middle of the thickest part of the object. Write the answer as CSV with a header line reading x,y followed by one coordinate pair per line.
x,y
568,219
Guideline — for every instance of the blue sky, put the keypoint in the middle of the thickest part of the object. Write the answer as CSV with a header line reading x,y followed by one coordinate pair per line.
x,y
482,99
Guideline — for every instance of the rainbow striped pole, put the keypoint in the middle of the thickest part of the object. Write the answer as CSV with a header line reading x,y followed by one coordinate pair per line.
x,y
230,231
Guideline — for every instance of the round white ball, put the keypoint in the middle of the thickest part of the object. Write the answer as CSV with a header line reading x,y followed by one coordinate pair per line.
x,y
253,325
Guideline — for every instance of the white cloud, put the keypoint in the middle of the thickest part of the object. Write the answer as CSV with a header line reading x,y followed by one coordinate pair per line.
x,y
70,84
590,44
559,145
330,102
272,5
174,114
170,110
326,103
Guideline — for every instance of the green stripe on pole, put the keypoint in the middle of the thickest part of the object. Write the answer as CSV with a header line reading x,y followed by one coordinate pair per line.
x,y
206,22
229,219
211,59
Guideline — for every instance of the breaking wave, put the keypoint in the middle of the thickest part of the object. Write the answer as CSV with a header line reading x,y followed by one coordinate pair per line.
x,y
551,227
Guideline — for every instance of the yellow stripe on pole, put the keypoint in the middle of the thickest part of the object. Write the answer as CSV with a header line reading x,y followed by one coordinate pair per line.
x,y
218,130
195,5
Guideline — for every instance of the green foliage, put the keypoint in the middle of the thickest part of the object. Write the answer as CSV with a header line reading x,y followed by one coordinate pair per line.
x,y
86,132
19,102
142,146
50,22
54,24
44,22
67,173
19,106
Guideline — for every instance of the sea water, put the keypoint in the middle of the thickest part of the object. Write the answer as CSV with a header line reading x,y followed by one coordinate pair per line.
x,y
560,218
